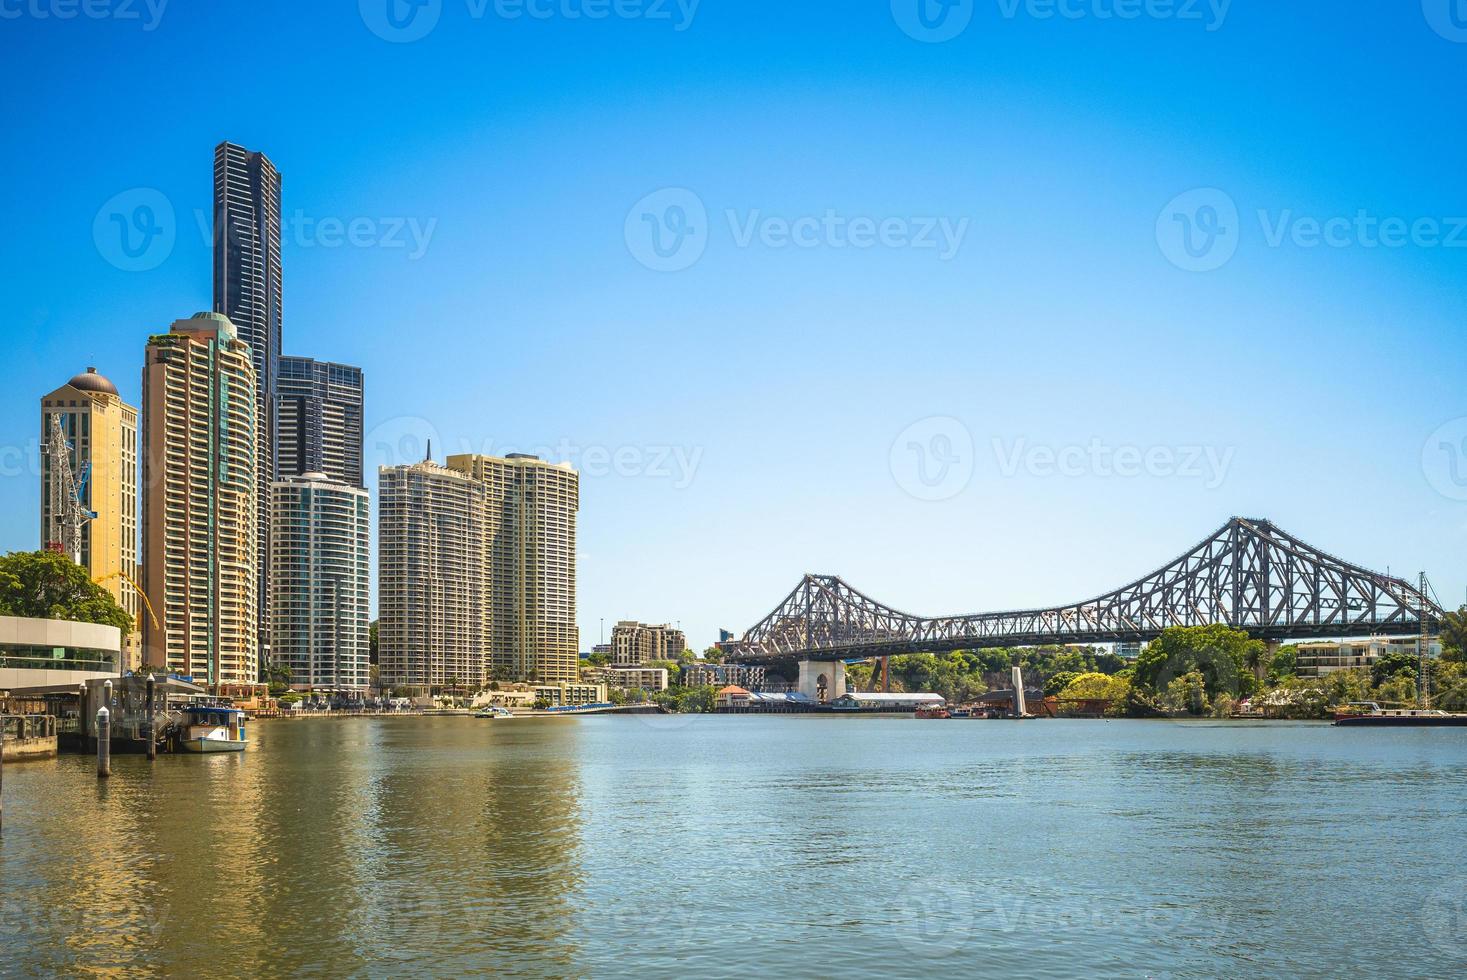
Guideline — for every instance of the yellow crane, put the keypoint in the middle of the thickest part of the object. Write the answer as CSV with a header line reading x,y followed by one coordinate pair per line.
x,y
136,588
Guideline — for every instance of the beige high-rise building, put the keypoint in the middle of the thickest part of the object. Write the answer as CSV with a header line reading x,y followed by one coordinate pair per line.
x,y
199,501
634,644
433,619
531,540
102,431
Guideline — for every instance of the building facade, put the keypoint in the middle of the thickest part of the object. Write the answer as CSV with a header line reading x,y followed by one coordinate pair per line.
x,y
634,644
570,694
46,652
433,602
701,673
319,583
247,290
1317,658
530,540
318,420
199,502
102,432
630,678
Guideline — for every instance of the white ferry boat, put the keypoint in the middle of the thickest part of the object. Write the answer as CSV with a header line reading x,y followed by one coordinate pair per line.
x,y
213,729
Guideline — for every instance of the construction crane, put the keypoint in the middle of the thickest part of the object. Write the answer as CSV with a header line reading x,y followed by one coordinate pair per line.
x,y
136,588
68,487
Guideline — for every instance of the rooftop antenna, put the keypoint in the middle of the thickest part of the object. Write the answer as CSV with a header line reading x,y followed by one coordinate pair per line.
x,y
429,458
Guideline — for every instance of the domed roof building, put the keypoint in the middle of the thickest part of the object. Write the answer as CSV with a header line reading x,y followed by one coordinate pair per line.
x,y
90,380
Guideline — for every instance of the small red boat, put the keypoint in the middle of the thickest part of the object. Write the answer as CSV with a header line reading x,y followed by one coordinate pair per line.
x,y
934,712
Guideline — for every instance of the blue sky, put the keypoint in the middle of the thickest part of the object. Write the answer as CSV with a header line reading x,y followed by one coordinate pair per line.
x,y
935,418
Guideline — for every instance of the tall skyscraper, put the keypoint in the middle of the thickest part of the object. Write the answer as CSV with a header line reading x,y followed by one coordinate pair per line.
x,y
433,605
102,431
247,289
318,420
319,570
531,534
199,501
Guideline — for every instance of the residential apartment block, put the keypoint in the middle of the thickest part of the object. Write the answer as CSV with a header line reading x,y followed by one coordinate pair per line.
x,y
199,502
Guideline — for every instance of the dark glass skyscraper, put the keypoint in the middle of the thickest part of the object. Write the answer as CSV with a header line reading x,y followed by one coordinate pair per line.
x,y
247,290
318,420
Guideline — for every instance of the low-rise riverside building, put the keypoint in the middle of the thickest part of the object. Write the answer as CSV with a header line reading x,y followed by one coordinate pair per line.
x,y
1321,657
630,678
700,673
570,694
46,652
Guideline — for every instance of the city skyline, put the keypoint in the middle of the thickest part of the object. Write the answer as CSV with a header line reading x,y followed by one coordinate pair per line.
x,y
1256,387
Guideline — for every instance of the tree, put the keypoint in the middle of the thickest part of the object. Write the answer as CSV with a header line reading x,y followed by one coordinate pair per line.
x,y
1393,665
1219,654
598,658
372,643
1454,636
1056,683
1284,664
48,585
1188,694
278,675
1096,686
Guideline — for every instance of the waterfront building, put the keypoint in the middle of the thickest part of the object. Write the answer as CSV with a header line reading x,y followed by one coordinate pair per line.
x,y
629,678
201,566
318,420
50,652
433,601
1319,657
102,431
319,571
247,290
700,673
530,572
570,694
634,644
1129,651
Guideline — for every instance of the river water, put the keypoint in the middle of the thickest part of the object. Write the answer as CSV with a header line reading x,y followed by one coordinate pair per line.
x,y
716,845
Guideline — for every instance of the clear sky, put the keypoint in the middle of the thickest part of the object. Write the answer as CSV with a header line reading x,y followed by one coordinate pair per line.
x,y
991,306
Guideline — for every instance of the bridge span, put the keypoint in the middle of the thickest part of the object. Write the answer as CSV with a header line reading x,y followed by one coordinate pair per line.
x,y
1250,575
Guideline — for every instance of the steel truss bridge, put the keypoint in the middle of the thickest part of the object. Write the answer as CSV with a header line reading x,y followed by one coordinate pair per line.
x,y
1250,575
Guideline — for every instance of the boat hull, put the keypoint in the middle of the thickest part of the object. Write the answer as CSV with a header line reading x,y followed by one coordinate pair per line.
x,y
213,745
1403,721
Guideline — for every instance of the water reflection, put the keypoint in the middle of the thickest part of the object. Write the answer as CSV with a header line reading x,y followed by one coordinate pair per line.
x,y
586,847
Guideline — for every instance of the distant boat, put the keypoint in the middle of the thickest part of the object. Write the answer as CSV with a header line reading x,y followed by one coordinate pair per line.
x,y
213,729
493,713
1368,714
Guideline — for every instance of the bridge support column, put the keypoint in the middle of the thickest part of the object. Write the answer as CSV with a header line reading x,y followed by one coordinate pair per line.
x,y
822,680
